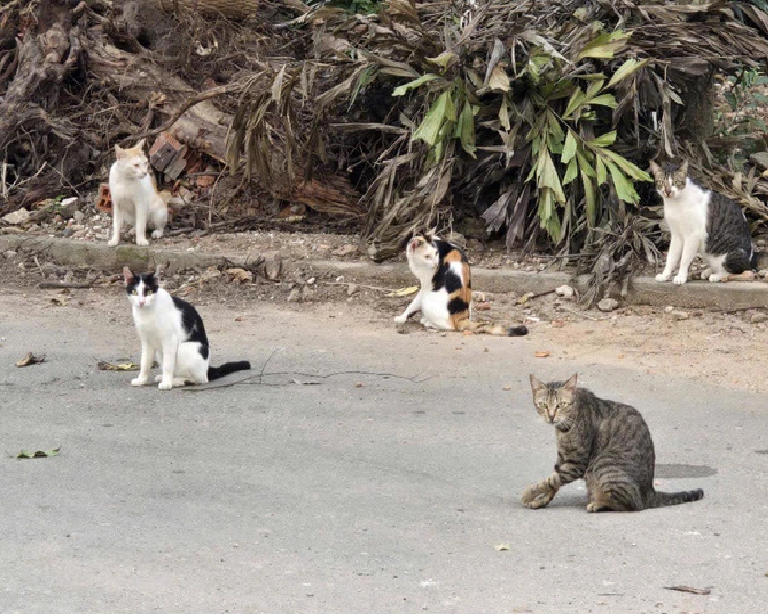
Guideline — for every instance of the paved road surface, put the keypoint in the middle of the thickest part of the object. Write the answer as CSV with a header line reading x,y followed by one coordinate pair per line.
x,y
331,487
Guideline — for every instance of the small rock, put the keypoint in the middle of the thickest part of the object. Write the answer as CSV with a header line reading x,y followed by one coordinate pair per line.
x,y
608,304
79,216
65,202
9,254
758,318
67,232
565,291
352,289
669,309
97,227
679,315
58,219
17,217
294,296
763,273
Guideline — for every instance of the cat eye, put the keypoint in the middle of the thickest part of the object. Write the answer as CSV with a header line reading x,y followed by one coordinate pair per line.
x,y
135,291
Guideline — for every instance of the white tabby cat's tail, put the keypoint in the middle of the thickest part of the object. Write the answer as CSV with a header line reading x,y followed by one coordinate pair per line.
x,y
227,368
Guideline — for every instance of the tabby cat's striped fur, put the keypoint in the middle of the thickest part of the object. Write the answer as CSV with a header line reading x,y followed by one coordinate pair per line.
x,y
606,443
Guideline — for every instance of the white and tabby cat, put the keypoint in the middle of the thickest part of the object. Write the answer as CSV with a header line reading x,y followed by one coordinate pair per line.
x,y
701,222
135,199
445,295
172,332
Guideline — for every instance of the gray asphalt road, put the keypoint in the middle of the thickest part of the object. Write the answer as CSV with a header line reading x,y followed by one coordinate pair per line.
x,y
372,472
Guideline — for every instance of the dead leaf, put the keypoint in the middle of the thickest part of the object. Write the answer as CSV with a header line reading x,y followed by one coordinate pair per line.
x,y
525,298
402,292
502,547
240,275
120,366
483,306
689,589
30,359
58,301
359,385
541,354
507,388
37,453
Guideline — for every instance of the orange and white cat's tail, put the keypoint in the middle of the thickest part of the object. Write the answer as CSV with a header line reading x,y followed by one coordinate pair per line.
x,y
498,330
662,499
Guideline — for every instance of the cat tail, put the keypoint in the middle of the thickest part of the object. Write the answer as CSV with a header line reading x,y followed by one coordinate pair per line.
x,y
493,329
662,499
227,368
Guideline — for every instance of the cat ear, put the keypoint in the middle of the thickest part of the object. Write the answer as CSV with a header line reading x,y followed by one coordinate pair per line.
x,y
158,272
140,144
683,170
128,275
119,152
654,168
535,383
570,383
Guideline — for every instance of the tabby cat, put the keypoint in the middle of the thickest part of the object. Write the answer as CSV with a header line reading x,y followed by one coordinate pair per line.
x,y
701,222
606,443
445,295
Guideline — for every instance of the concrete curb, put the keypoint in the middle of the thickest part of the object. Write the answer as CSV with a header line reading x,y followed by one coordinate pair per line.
x,y
643,290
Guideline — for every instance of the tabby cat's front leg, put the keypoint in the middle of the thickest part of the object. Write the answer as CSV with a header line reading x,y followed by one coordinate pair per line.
x,y
540,494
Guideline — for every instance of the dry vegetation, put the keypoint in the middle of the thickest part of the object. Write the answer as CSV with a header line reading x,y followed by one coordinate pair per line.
x,y
530,120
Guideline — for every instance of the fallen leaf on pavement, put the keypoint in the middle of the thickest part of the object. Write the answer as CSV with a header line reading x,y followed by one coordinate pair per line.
x,y
541,354
402,292
30,359
37,453
120,366
501,547
689,589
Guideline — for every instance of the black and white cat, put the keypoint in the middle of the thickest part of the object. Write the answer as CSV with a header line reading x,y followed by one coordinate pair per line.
x,y
701,222
172,331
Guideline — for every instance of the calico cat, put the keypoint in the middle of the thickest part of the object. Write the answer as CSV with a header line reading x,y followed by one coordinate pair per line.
x,y
135,199
701,222
445,295
606,443
172,331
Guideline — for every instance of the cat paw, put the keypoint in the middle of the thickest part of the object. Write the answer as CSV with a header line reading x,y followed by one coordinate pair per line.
x,y
715,277
536,496
593,507
706,273
157,234
139,381
165,385
401,319
142,242
679,280
663,277
113,242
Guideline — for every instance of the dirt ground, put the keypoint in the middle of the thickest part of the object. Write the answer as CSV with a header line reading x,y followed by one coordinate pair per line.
x,y
728,349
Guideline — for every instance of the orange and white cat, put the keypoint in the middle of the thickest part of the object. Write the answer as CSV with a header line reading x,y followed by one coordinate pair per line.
x,y
135,199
